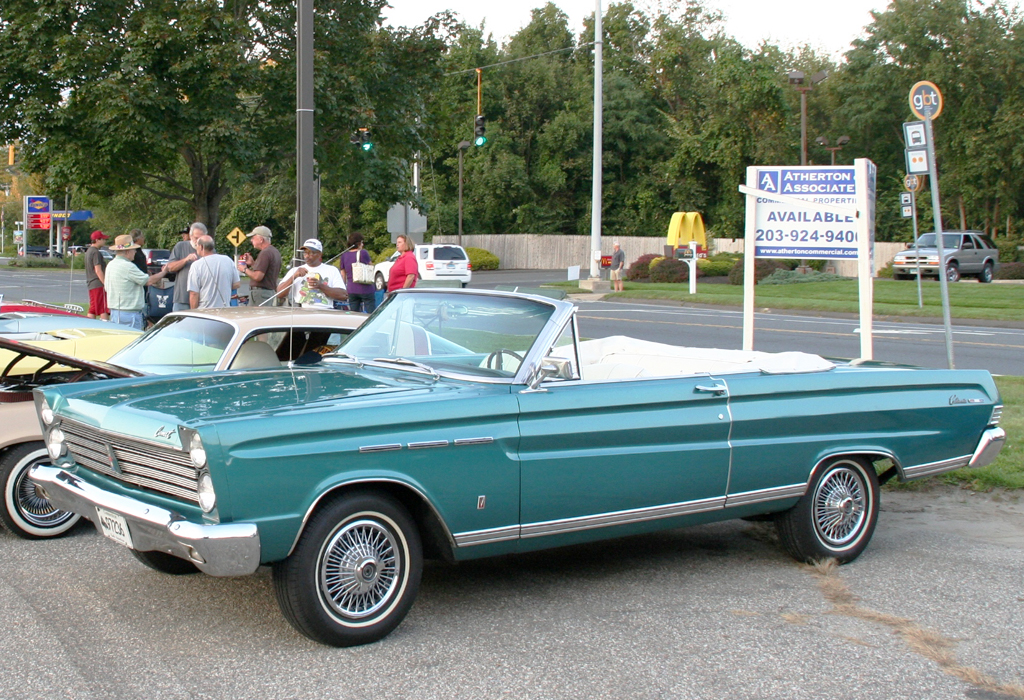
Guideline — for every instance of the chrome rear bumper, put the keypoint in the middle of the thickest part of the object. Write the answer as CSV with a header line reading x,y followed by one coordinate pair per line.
x,y
219,550
992,441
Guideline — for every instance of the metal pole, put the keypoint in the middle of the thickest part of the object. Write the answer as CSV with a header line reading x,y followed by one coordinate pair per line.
x,y
803,126
595,206
917,250
933,174
461,151
306,223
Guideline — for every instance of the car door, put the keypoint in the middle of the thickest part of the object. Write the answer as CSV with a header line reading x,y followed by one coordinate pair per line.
x,y
968,255
596,454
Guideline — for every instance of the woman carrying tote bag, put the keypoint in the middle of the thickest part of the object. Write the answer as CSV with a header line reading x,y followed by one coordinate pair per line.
x,y
357,270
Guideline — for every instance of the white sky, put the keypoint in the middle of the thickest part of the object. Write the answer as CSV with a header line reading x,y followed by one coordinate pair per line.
x,y
828,26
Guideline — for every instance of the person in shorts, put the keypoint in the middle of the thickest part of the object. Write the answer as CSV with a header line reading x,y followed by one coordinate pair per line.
x,y
95,276
618,265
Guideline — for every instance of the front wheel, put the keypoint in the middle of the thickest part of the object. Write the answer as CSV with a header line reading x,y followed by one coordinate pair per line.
x,y
986,274
952,272
26,512
837,515
378,282
354,573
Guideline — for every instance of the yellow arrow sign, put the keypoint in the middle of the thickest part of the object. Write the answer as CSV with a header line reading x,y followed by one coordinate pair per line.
x,y
237,237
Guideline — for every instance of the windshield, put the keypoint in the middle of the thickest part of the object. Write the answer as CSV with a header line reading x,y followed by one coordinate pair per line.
x,y
177,344
950,241
462,333
448,252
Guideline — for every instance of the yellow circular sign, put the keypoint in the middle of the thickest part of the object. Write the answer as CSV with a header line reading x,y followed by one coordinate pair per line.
x,y
925,100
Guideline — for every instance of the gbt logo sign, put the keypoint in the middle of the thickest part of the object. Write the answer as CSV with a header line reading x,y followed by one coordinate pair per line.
x,y
925,100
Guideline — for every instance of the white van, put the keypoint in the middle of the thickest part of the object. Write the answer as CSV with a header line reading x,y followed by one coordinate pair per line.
x,y
436,262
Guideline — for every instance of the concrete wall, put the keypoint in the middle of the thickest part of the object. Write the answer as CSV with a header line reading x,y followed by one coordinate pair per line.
x,y
527,251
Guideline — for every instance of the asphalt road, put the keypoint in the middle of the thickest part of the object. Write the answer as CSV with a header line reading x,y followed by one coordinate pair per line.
x,y
933,609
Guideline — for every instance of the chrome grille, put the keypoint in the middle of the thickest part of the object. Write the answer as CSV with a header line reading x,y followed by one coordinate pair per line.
x,y
147,466
997,415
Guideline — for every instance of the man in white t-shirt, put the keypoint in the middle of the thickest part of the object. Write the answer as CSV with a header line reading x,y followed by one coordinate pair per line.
x,y
314,285
211,278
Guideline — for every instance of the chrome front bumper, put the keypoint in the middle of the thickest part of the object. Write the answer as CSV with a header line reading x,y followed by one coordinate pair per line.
x,y
219,550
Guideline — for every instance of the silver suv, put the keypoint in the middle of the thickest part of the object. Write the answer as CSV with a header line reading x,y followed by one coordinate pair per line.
x,y
967,253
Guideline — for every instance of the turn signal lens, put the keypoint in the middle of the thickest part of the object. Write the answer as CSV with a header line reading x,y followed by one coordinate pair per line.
x,y
196,451
55,443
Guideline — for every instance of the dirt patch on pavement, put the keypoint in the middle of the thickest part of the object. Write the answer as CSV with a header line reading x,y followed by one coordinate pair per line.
x,y
996,517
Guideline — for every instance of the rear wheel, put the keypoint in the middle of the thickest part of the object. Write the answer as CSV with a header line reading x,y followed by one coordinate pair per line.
x,y
354,573
986,273
165,563
952,272
26,512
837,515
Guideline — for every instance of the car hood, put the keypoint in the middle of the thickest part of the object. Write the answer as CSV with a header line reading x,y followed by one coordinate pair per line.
x,y
34,351
142,407
927,251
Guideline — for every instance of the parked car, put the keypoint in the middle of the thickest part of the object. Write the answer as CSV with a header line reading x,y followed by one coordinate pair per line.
x,y
40,251
435,262
185,341
460,424
967,253
156,258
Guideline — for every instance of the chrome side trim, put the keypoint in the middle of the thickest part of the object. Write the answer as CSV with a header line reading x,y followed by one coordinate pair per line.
x,y
380,448
622,517
424,445
494,534
459,442
992,441
946,465
762,495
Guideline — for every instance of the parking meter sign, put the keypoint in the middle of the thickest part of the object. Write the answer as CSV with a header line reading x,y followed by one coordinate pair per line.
x,y
925,100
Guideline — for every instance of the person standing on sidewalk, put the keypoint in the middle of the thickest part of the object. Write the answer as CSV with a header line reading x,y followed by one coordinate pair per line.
x,y
183,254
263,273
360,296
314,284
212,278
618,265
95,276
126,284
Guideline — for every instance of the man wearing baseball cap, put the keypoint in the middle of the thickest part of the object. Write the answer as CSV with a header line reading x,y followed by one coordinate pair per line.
x,y
95,275
264,271
313,285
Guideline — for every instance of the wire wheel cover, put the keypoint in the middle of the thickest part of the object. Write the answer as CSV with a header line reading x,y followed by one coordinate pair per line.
x,y
840,506
359,569
36,510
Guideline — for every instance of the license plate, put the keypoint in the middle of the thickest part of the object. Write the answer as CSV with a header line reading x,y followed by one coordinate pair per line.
x,y
115,527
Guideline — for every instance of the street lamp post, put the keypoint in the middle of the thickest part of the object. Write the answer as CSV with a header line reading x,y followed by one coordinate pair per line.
x,y
840,142
463,145
796,79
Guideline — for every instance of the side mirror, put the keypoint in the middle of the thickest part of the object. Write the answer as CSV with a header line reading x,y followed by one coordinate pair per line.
x,y
550,368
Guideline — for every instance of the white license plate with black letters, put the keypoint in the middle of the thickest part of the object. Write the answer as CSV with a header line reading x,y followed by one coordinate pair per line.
x,y
115,527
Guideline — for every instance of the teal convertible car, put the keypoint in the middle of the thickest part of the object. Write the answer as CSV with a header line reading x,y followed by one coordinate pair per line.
x,y
461,424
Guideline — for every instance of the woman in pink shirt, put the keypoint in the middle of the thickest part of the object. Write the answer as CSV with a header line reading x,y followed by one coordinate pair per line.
x,y
404,271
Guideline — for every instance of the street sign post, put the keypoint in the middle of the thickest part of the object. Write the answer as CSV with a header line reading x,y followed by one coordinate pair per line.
x,y
926,104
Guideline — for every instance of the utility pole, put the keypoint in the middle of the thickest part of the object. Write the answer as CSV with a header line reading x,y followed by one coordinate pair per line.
x,y
305,218
595,205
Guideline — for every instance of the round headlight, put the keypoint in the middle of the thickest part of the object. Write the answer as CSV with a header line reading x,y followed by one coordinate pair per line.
x,y
207,498
55,443
196,451
46,413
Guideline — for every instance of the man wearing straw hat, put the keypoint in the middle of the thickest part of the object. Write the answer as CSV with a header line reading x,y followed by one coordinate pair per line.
x,y
125,284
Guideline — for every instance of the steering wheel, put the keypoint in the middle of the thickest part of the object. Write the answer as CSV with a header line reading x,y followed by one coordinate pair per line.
x,y
495,358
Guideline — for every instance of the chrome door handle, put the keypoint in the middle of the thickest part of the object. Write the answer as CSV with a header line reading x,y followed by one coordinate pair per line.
x,y
717,389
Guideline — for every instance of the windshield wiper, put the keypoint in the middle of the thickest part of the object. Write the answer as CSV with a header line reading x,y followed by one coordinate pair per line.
x,y
409,363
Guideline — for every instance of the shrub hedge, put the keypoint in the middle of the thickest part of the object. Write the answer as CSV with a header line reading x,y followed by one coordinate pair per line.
x,y
482,259
641,267
669,270
1010,271
762,268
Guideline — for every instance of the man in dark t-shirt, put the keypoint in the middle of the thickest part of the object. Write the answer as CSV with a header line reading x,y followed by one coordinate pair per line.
x,y
182,256
95,272
263,273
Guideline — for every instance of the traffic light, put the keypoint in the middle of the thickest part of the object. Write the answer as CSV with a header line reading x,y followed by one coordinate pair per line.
x,y
363,139
481,127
